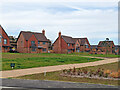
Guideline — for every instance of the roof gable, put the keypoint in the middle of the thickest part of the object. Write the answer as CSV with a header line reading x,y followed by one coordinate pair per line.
x,y
2,30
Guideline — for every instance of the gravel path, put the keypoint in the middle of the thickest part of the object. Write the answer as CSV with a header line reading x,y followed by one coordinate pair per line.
x,y
22,72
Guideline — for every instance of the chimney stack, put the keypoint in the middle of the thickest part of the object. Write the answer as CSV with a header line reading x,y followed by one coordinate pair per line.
x,y
59,34
43,31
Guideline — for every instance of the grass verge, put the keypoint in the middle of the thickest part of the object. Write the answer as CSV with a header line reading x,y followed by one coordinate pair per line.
x,y
23,61
56,76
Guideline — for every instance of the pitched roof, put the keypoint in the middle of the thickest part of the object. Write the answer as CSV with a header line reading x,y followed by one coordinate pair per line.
x,y
67,39
39,36
82,41
103,43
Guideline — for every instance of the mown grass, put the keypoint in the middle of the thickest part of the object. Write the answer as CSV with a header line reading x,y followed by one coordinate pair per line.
x,y
23,61
97,55
56,76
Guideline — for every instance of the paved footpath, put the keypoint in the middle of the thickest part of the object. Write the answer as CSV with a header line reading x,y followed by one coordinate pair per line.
x,y
22,72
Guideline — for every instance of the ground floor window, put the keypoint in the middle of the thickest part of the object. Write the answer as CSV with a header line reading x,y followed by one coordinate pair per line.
x,y
33,49
78,50
6,48
0,48
69,50
44,49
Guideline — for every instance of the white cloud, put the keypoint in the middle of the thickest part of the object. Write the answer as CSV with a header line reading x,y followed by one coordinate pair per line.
x,y
59,0
71,19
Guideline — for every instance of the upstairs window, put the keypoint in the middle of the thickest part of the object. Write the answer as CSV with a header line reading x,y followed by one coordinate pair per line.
x,y
32,42
44,43
72,44
77,45
86,46
68,45
5,41
38,42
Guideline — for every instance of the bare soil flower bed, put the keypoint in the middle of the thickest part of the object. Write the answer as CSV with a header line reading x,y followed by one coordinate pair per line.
x,y
95,74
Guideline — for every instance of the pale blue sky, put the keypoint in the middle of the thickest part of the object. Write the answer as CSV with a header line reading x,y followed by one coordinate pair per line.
x,y
94,20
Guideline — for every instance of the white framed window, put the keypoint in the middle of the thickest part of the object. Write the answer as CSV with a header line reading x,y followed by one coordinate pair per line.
x,y
44,43
5,41
44,49
68,44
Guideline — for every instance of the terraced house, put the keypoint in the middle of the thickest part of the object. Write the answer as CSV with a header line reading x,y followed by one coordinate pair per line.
x,y
32,42
4,41
67,44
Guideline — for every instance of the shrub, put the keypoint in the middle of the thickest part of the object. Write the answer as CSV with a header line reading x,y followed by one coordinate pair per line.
x,y
107,71
115,75
78,73
90,73
64,70
68,72
74,70
106,75
101,73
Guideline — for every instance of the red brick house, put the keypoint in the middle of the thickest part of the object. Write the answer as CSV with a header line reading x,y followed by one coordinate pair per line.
x,y
106,47
32,42
67,44
4,40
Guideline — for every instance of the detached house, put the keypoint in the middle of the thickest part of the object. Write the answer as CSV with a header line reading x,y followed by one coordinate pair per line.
x,y
106,47
67,44
4,40
32,42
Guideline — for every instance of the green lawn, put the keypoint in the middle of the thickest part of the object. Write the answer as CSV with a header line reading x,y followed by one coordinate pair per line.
x,y
97,55
39,60
56,76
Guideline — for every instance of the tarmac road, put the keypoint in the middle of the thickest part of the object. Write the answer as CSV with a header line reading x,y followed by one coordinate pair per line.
x,y
41,84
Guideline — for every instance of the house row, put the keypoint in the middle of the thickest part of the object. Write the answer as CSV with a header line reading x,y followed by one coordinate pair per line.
x,y
34,42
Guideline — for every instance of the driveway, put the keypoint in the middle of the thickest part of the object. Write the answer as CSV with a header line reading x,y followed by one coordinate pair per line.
x,y
22,72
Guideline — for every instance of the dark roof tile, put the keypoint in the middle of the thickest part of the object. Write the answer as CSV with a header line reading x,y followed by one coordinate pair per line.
x,y
39,36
